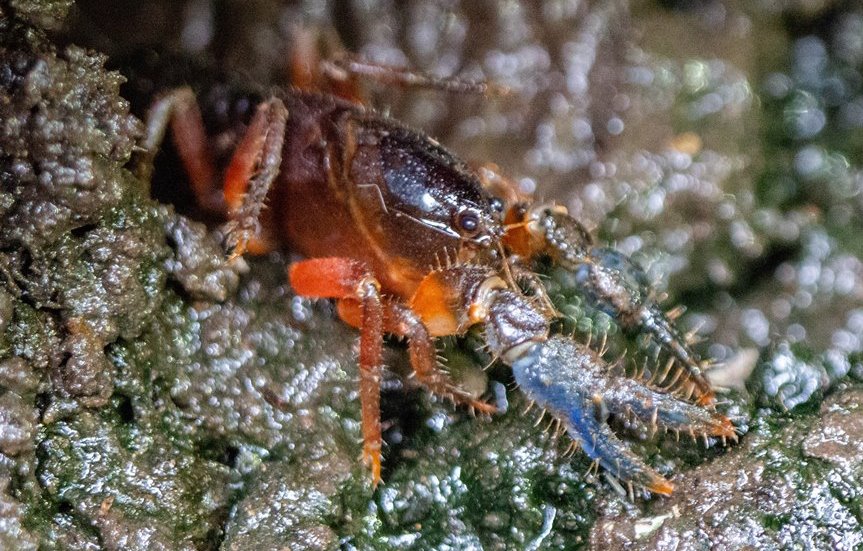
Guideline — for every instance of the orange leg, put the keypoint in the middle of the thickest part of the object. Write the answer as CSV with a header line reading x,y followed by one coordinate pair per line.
x,y
351,281
253,167
400,320
179,110
319,62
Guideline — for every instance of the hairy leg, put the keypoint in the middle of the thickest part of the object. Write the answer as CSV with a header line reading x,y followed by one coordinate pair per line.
x,y
351,281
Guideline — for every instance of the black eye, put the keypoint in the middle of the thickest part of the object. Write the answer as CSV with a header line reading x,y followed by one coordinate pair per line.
x,y
497,205
468,222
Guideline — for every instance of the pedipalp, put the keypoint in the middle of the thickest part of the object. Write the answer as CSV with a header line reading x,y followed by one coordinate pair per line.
x,y
565,378
614,284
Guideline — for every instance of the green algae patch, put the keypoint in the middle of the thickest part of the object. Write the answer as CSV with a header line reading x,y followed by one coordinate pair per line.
x,y
467,483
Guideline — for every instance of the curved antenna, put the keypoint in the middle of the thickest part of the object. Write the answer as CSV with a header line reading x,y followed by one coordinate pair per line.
x,y
440,227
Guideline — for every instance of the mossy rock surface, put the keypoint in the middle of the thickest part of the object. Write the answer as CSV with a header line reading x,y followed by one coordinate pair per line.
x,y
153,396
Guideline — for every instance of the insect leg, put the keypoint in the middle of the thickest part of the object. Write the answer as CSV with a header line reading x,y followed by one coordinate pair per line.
x,y
612,282
350,280
178,111
400,320
616,285
657,409
319,62
253,168
346,65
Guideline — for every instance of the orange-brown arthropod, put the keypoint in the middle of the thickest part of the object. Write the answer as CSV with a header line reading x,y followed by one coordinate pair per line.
x,y
413,242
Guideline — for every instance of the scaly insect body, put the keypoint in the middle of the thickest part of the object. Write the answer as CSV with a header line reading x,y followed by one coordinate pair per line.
x,y
413,242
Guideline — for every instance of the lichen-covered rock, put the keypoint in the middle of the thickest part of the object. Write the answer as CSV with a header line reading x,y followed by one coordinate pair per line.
x,y
83,256
837,437
17,375
198,263
13,517
7,308
41,13
141,474
286,506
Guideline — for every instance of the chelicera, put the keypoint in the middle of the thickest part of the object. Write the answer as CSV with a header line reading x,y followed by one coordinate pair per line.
x,y
411,241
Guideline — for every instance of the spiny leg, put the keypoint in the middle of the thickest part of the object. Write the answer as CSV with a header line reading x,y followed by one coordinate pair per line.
x,y
347,65
350,280
400,320
612,282
617,286
253,168
254,164
654,409
568,379
561,376
319,62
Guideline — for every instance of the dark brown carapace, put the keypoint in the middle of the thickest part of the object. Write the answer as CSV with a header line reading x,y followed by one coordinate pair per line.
x,y
411,241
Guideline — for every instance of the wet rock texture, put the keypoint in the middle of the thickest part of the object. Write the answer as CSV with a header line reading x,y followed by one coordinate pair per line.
x,y
799,488
154,397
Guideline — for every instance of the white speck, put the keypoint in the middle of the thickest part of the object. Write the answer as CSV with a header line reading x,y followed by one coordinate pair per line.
x,y
614,126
